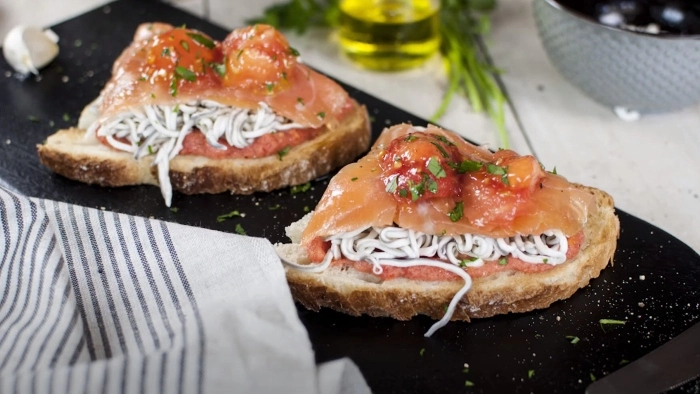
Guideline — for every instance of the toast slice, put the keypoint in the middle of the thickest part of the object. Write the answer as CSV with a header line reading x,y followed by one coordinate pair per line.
x,y
349,291
71,154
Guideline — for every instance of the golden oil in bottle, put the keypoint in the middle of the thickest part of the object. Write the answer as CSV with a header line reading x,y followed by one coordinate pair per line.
x,y
389,35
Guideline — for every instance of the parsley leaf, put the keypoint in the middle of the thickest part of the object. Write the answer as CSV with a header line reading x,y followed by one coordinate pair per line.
x,y
300,188
185,74
611,322
321,114
174,209
283,152
468,383
403,192
239,229
444,139
503,261
274,207
353,179
185,45
391,186
467,166
456,213
554,171
416,190
269,86
574,339
293,51
442,150
219,68
422,351
410,138
495,170
33,118
229,215
431,185
435,168
530,373
200,39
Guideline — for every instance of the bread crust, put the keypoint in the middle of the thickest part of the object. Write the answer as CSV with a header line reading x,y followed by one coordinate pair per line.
x,y
349,291
70,154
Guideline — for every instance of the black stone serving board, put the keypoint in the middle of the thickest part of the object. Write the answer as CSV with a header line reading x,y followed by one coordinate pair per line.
x,y
654,283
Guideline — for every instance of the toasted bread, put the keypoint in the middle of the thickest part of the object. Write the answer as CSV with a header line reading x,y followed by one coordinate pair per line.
x,y
349,291
71,154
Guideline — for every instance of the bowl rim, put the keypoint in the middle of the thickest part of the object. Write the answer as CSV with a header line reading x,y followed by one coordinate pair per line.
x,y
586,18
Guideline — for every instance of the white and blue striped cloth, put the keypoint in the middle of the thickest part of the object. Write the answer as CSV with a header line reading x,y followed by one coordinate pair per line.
x,y
98,302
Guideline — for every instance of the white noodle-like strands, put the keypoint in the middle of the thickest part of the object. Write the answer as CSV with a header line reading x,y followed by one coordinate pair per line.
x,y
161,130
398,247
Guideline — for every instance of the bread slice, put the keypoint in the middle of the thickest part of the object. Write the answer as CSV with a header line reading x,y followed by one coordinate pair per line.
x,y
355,293
69,153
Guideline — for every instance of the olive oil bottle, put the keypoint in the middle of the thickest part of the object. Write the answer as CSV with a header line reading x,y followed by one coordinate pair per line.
x,y
389,35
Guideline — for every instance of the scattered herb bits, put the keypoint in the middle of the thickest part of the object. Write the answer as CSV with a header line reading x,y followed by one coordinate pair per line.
x,y
611,322
530,373
229,215
422,351
174,209
239,229
274,207
457,212
282,153
300,188
573,339
469,383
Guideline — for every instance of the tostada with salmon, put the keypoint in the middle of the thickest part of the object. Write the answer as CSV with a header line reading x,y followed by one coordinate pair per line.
x,y
185,112
427,223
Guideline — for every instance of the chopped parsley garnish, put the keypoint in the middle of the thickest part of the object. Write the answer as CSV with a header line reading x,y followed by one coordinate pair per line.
x,y
219,68
239,229
274,207
422,351
301,188
78,43
498,170
574,339
284,75
442,150
391,186
143,78
269,86
592,377
306,208
467,166
403,192
431,185
545,260
33,118
153,95
468,383
150,150
200,39
604,322
410,138
177,108
443,139
416,190
293,51
623,362
238,56
185,45
503,261
353,179
554,171
282,153
166,52
530,373
456,213
173,88
185,74
66,118
174,209
464,263
435,168
229,215
321,114
300,101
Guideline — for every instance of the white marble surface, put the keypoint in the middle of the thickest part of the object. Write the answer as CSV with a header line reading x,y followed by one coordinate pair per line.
x,y
651,167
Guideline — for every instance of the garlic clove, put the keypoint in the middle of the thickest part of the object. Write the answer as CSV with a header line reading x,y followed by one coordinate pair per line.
x,y
28,49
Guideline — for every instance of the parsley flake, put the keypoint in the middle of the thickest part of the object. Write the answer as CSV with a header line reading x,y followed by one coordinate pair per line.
x,y
66,118
166,52
219,68
185,74
300,101
176,109
554,171
78,43
442,150
185,45
410,138
269,86
274,207
321,114
435,168
495,170
444,139
604,322
238,56
456,213
624,361
33,118
229,215
503,261
173,88
416,190
574,339
467,166
300,188
432,186
422,351
239,229
150,150
530,373
283,152
468,383
200,39
391,186
592,377
403,192
353,179
293,51
174,209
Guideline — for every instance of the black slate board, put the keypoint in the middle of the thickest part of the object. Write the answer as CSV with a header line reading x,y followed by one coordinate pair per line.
x,y
654,284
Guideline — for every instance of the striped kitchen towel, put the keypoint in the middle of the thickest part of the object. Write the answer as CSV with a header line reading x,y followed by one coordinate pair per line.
x,y
99,302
